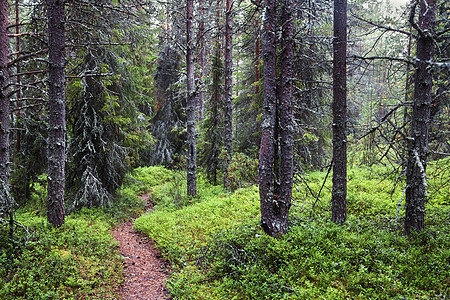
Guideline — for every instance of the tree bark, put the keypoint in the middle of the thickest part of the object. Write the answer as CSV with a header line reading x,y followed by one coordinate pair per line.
x,y
18,77
4,99
286,124
339,191
201,61
266,152
416,185
57,113
6,203
191,101
228,104
276,164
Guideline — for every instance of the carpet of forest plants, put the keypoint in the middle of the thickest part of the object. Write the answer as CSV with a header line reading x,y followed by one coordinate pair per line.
x,y
219,251
79,260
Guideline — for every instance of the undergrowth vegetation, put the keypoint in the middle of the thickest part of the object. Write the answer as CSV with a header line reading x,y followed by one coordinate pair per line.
x,y
73,261
219,251
79,260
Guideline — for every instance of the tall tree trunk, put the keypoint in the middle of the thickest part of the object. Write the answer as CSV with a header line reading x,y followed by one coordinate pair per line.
x,y
4,100
228,104
191,139
201,61
339,192
57,113
416,185
6,201
18,77
213,132
276,149
266,151
286,124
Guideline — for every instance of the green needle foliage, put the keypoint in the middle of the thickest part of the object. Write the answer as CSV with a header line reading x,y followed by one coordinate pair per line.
x,y
212,126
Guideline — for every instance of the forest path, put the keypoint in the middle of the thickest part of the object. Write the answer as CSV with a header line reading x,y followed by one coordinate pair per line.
x,y
145,270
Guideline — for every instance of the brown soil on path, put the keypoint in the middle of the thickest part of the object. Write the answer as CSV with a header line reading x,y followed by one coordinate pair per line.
x,y
144,268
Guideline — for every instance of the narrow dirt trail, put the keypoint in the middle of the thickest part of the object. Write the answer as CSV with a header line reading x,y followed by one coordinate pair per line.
x,y
145,269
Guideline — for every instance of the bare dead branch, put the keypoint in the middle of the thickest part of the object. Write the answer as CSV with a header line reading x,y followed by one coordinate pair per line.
x,y
29,73
403,60
26,56
387,28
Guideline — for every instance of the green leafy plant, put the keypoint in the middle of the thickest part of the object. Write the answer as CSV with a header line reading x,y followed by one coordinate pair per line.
x,y
242,171
77,260
220,252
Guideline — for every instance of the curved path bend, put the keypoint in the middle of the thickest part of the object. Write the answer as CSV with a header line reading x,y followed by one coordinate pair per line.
x,y
145,270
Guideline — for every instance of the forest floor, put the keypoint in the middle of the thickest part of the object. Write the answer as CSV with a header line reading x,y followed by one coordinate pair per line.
x,y
145,270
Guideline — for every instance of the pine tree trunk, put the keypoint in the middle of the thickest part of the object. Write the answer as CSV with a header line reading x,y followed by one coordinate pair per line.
x,y
4,100
266,152
416,186
57,113
191,101
228,105
339,191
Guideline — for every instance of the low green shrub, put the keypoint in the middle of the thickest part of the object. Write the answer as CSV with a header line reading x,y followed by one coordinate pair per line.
x,y
318,259
79,260
220,252
76,261
172,195
178,231
242,171
144,179
438,173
